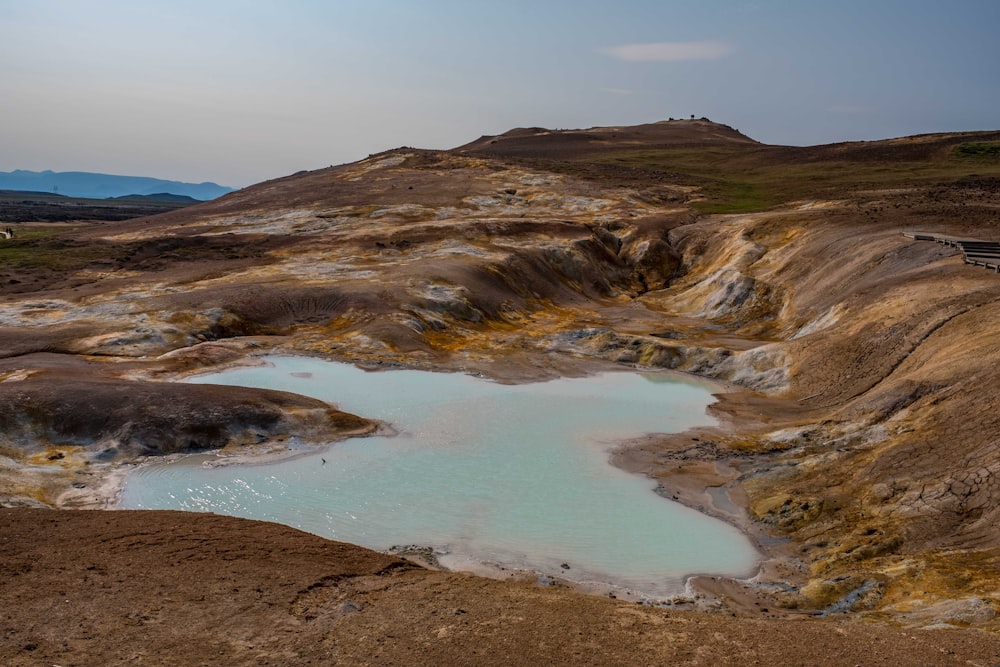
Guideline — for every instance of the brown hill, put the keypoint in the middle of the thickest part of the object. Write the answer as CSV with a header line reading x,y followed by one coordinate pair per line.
x,y
538,142
859,443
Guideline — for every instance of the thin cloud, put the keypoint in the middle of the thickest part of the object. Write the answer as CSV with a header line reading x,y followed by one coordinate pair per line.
x,y
618,91
669,51
848,108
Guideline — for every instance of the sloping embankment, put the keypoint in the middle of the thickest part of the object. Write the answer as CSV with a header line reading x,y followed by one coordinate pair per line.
x,y
870,437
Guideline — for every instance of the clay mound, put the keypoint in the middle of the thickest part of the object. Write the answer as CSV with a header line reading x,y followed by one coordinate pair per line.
x,y
570,144
112,418
241,310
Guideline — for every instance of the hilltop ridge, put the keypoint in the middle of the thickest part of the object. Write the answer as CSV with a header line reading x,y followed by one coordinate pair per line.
x,y
566,144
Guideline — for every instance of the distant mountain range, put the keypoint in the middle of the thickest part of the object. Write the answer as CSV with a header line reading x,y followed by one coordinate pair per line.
x,y
102,186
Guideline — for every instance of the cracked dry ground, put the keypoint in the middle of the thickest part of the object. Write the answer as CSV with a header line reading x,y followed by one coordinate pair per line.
x,y
858,441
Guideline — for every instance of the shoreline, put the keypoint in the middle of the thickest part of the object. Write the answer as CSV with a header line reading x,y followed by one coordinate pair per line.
x,y
694,590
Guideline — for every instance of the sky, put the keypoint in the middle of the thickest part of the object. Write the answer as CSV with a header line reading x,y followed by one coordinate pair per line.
x,y
240,91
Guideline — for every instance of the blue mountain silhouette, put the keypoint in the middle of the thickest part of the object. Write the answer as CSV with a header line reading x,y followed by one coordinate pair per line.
x,y
101,186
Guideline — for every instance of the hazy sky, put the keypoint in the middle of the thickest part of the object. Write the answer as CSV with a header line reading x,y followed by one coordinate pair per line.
x,y
240,91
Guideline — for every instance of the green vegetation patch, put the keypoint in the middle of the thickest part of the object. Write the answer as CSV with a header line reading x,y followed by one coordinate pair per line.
x,y
979,150
40,248
744,179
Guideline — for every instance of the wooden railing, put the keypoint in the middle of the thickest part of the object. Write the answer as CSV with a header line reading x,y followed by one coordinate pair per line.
x,y
978,253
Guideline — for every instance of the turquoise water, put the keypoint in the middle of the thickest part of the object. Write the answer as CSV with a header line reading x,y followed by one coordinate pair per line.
x,y
511,474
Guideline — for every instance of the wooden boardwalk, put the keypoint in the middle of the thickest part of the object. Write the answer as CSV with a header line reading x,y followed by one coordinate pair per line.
x,y
978,253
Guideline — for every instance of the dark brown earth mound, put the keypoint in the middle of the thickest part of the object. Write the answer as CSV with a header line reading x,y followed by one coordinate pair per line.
x,y
168,588
538,142
114,418
65,421
24,206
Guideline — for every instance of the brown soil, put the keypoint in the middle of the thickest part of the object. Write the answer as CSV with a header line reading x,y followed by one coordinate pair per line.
x,y
168,588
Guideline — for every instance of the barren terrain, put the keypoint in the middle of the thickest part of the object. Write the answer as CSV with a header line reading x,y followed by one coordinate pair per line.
x,y
859,435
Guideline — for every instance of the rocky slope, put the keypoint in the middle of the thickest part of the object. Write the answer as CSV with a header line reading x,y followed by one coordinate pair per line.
x,y
858,443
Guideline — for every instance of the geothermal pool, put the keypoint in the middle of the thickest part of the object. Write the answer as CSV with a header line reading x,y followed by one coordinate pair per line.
x,y
515,475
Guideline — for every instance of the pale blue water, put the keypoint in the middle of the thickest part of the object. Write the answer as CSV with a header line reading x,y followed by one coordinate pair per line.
x,y
510,474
